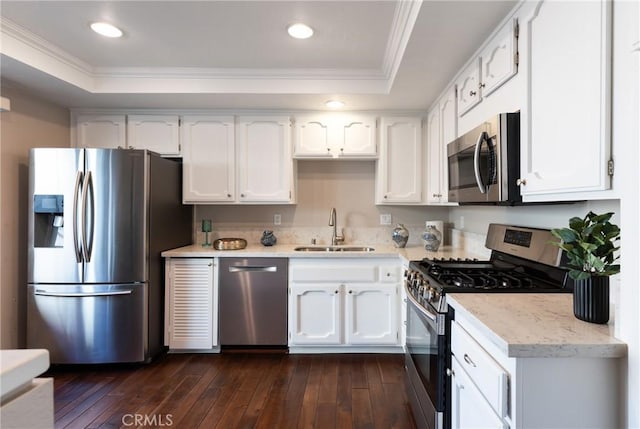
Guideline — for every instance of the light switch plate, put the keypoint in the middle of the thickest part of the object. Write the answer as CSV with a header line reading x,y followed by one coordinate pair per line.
x,y
385,219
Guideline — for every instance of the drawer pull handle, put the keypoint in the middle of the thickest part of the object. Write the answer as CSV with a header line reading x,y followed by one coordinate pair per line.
x,y
468,360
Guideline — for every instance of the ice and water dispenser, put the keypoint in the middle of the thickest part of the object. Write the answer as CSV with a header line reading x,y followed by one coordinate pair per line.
x,y
48,220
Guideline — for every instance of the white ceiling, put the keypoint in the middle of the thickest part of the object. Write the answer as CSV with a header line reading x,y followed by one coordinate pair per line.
x,y
375,55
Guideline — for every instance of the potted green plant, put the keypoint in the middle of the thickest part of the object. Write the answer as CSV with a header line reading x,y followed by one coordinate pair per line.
x,y
590,248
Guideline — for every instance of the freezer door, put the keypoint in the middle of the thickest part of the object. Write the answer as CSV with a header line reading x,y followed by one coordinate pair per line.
x,y
114,216
88,323
55,177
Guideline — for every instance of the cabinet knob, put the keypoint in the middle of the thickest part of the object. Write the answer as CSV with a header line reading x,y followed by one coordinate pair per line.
x,y
350,291
328,149
521,182
450,372
228,195
242,195
482,85
388,274
210,264
472,93
385,197
335,292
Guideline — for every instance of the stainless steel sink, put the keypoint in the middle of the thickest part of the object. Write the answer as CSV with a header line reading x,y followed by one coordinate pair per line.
x,y
334,249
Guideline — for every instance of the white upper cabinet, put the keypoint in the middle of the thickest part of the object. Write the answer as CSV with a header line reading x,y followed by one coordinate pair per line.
x,y
159,133
499,60
335,136
566,124
469,87
247,160
441,130
208,159
101,131
495,65
265,166
399,169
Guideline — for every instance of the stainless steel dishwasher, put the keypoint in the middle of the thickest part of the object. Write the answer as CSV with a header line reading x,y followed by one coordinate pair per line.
x,y
253,301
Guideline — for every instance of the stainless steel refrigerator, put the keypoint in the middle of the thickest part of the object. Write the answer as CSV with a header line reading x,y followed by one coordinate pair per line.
x,y
98,220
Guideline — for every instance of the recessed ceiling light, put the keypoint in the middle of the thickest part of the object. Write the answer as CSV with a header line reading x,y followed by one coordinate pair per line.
x,y
334,104
300,31
106,29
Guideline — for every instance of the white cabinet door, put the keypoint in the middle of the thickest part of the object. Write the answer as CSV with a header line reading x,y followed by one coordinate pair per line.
x,y
566,124
499,59
469,87
312,134
371,314
335,136
191,310
265,165
208,159
101,131
159,133
469,409
442,128
399,168
435,158
315,313
357,136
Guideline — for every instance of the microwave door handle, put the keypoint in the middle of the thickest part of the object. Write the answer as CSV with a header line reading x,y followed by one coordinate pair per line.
x,y
476,162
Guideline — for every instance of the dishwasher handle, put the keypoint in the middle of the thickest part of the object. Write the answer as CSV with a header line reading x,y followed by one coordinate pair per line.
x,y
253,268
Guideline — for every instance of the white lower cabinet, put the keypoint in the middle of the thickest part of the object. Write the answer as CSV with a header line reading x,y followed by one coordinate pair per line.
x,y
470,408
490,389
479,386
191,304
339,303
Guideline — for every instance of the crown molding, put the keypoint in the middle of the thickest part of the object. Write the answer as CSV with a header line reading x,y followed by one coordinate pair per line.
x,y
404,19
28,48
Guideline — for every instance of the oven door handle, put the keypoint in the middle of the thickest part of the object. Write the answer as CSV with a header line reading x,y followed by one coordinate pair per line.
x,y
420,308
476,161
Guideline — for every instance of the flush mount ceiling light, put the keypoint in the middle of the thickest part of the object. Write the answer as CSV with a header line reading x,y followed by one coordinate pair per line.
x,y
334,104
300,31
106,29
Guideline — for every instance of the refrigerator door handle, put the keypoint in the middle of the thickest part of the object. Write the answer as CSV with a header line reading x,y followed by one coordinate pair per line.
x,y
82,295
87,242
76,241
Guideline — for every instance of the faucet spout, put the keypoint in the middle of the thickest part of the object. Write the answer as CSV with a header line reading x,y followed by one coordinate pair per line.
x,y
335,238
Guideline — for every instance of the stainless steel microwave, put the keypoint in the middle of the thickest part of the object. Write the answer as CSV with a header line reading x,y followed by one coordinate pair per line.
x,y
484,164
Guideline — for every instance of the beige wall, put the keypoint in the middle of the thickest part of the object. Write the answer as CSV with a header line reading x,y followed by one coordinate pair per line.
x,y
30,123
346,185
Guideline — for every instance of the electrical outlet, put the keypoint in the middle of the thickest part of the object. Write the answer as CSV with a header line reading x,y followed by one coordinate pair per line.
x,y
277,219
461,223
385,219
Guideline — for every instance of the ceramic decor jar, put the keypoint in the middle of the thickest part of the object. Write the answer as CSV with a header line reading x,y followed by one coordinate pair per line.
x,y
400,235
268,239
432,238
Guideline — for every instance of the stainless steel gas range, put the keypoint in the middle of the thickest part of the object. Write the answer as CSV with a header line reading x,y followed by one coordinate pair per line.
x,y
523,260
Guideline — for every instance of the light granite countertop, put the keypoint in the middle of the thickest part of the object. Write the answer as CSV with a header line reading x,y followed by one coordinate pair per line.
x,y
19,366
536,325
410,253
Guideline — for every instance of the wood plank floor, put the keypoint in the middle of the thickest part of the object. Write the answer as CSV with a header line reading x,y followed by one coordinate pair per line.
x,y
236,390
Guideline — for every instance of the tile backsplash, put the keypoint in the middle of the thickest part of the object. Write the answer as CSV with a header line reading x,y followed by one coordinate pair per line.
x,y
361,236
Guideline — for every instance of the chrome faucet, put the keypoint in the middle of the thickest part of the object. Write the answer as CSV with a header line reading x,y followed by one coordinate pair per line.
x,y
335,238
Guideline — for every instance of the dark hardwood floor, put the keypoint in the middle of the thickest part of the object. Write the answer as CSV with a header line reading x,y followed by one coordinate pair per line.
x,y
236,390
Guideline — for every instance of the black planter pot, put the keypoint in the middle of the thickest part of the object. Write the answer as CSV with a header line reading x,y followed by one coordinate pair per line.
x,y
591,299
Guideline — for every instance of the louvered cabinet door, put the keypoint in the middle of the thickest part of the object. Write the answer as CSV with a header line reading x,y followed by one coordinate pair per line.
x,y
191,310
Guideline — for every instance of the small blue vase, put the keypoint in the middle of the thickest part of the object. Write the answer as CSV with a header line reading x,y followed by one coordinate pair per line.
x,y
268,239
